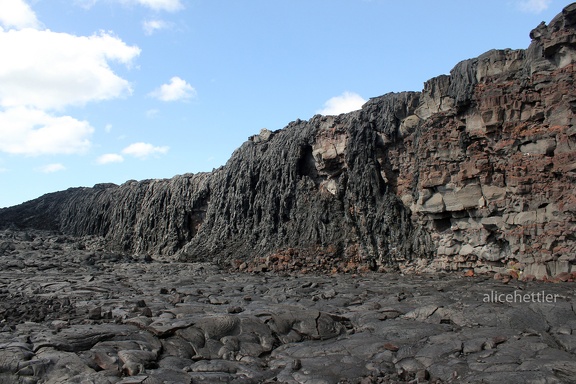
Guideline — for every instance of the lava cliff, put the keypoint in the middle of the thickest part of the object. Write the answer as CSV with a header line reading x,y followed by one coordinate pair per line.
x,y
476,171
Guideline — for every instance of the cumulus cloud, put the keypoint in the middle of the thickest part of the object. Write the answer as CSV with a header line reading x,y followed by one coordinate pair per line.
x,y
43,72
30,131
17,14
51,70
139,150
151,26
534,6
109,158
346,102
51,168
143,150
177,89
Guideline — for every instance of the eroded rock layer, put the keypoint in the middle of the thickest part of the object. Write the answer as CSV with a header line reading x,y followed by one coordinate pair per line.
x,y
475,171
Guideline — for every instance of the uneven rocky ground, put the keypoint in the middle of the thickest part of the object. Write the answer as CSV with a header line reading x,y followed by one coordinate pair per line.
x,y
74,313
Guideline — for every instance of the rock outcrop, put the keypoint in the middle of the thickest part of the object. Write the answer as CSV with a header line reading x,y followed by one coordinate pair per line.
x,y
476,171
489,167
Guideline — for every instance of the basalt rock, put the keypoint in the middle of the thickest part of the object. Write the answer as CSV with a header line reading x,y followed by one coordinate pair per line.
x,y
492,178
354,328
476,171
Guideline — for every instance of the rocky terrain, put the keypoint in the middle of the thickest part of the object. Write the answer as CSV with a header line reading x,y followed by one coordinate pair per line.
x,y
420,239
476,172
73,312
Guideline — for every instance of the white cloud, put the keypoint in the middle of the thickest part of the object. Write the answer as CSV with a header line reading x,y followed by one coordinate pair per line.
x,y
143,150
109,158
346,102
17,14
177,89
51,70
159,5
29,131
108,128
51,168
151,26
43,72
534,6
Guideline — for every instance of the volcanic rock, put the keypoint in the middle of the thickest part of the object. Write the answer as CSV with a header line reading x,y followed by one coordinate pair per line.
x,y
476,172
297,328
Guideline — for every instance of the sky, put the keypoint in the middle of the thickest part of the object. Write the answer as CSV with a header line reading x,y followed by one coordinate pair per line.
x,y
97,91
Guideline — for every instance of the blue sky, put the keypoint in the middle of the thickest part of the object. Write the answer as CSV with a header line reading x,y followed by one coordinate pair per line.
x,y
96,91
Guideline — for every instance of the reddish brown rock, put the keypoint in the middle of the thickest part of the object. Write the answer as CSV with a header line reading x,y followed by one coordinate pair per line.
x,y
564,276
391,347
495,175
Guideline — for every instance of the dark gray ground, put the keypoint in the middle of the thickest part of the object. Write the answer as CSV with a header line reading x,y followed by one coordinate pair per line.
x,y
73,313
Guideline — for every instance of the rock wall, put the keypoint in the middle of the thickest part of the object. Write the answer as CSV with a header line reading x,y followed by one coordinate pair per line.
x,y
476,171
487,161
147,217
315,186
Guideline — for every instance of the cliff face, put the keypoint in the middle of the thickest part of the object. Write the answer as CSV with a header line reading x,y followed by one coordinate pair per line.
x,y
315,186
476,171
489,168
